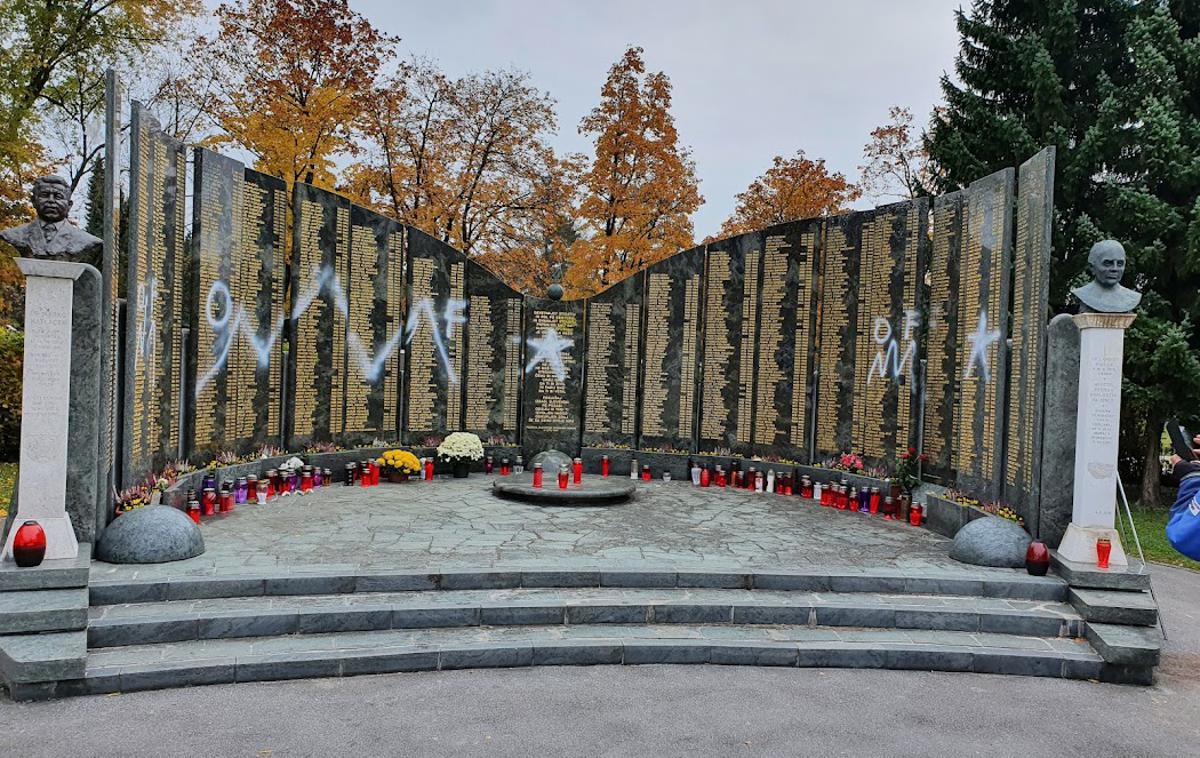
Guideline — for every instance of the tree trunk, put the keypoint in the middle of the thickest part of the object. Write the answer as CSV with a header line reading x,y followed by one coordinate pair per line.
x,y
1151,495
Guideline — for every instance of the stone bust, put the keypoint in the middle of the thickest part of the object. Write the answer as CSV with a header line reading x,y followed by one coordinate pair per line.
x,y
1104,294
51,235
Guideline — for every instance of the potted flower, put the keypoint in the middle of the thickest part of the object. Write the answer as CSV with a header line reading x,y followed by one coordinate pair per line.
x,y
908,470
398,465
459,449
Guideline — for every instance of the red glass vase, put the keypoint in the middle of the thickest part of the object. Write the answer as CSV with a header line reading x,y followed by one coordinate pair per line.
x,y
29,544
1037,558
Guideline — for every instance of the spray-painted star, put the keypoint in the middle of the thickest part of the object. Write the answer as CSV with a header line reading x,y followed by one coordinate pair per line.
x,y
980,341
549,347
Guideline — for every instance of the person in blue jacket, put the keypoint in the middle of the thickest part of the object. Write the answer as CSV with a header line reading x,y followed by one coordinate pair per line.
x,y
1183,525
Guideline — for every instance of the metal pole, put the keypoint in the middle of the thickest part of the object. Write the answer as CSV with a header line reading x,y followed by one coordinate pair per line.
x,y
1137,541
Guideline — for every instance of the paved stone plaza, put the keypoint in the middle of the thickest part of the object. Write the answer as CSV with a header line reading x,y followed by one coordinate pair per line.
x,y
459,524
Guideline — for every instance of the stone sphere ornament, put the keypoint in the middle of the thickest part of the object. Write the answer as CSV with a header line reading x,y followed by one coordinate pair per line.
x,y
555,292
154,534
551,460
991,541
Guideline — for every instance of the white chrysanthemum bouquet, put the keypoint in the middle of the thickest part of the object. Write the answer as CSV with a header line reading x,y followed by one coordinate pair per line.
x,y
461,446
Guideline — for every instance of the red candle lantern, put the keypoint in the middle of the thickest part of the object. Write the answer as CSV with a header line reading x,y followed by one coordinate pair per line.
x,y
210,501
873,501
488,465
889,508
806,488
272,483
1037,558
722,480
735,477
193,510
915,512
577,471
429,469
306,480
705,477
29,544
604,465
537,475
562,477
645,473
1103,552
505,468
226,498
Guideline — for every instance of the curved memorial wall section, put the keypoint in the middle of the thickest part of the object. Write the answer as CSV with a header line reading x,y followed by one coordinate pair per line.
x,y
309,319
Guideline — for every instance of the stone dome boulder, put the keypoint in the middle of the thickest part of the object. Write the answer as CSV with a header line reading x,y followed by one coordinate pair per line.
x,y
154,534
551,460
991,541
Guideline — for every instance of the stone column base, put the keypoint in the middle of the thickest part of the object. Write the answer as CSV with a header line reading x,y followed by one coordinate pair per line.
x,y
1079,545
60,536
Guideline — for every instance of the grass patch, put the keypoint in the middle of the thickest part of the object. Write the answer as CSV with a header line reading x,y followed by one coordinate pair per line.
x,y
8,482
1151,528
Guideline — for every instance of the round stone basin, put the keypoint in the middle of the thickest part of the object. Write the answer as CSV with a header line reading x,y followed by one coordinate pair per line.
x,y
593,491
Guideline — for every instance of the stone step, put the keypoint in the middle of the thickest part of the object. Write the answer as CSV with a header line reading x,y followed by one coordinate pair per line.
x,y
65,573
40,658
1134,577
349,653
151,586
25,611
173,621
1120,645
1115,606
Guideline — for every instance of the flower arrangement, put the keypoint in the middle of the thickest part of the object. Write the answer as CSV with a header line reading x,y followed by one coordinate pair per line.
x,y
461,446
322,447
400,462
849,462
432,441
1005,512
908,469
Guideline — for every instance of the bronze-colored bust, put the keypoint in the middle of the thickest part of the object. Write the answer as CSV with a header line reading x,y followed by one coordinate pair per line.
x,y
51,235
1104,294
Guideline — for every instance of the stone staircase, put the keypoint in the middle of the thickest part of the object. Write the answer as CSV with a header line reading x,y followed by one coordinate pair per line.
x,y
148,634
43,622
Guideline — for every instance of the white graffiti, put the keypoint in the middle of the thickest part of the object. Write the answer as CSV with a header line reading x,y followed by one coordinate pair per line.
x,y
228,321
147,329
980,341
889,361
549,348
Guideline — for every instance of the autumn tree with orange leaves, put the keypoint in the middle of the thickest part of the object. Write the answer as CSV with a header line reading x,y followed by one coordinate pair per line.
x,y
793,188
897,164
296,76
467,161
641,189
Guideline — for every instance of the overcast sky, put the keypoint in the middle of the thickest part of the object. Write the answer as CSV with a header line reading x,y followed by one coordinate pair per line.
x,y
752,79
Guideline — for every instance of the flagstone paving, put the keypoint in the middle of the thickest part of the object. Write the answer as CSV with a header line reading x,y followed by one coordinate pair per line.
x,y
452,524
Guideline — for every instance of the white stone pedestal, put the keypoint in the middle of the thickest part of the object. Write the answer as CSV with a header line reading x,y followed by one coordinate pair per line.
x,y
46,405
1094,507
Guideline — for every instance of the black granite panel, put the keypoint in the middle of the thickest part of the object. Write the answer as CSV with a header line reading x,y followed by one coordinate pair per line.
x,y
670,343
317,353
787,319
492,345
614,355
1031,278
983,291
886,400
235,354
552,396
728,343
837,334
156,270
437,320
374,290
942,336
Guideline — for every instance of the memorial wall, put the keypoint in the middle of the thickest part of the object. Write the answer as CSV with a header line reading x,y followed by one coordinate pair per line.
x,y
669,343
238,281
552,407
492,343
614,352
434,338
1030,317
868,332
155,313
